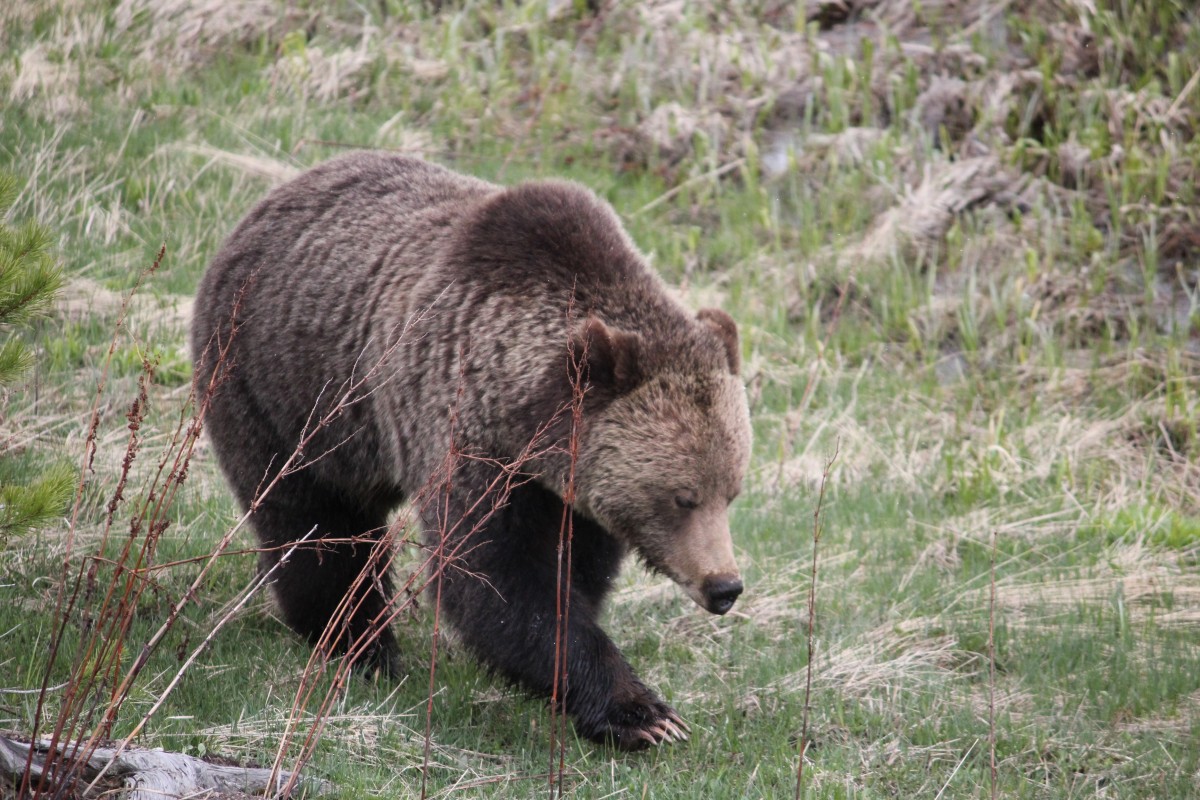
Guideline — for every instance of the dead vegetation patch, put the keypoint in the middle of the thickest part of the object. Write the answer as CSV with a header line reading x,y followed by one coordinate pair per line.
x,y
961,77
274,170
1181,723
1135,578
83,298
49,83
313,74
991,111
668,134
878,667
917,226
181,33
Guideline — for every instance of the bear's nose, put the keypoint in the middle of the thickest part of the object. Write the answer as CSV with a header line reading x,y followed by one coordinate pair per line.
x,y
721,593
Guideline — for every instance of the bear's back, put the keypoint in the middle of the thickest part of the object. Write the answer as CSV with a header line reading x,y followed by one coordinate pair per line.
x,y
372,250
335,227
302,275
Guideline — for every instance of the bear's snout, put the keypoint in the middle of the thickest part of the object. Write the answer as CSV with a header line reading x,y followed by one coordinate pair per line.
x,y
720,593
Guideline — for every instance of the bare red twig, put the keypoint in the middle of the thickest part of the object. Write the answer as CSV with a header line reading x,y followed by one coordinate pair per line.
x,y
509,475
812,621
151,517
73,703
447,489
101,681
566,531
109,585
494,496
992,668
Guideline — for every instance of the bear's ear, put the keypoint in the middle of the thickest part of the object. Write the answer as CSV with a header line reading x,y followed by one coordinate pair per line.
x,y
726,330
605,357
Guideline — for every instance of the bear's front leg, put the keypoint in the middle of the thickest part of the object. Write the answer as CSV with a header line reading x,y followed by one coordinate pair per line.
x,y
500,591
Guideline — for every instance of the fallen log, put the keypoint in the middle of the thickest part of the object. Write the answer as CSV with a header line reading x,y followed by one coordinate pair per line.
x,y
137,773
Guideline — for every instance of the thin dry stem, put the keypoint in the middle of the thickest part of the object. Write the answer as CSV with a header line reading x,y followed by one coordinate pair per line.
x,y
510,475
447,489
992,668
178,453
63,612
812,620
566,531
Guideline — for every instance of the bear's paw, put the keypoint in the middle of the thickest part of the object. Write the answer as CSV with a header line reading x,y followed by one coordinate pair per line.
x,y
638,721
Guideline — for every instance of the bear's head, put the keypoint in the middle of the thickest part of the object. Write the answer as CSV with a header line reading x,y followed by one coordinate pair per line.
x,y
666,448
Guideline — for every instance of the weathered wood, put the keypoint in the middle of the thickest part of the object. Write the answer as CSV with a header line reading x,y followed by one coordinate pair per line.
x,y
143,774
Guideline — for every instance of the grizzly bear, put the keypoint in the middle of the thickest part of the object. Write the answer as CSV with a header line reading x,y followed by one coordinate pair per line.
x,y
383,329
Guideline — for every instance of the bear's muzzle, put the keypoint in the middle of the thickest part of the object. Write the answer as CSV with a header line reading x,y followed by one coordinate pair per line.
x,y
701,561
720,592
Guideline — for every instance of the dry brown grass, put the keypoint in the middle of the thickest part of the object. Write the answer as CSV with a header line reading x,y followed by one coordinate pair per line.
x,y
53,84
1180,724
916,227
271,168
889,661
314,75
83,298
183,33
1145,580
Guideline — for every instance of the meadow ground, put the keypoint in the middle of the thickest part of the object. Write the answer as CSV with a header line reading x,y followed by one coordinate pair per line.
x,y
960,238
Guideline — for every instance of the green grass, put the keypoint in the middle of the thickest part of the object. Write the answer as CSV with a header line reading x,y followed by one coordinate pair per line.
x,y
1025,367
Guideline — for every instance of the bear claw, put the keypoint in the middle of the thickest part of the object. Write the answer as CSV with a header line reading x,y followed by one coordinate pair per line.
x,y
678,722
657,725
671,731
667,729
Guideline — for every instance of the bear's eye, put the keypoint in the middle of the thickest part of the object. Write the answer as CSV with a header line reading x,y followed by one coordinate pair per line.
x,y
686,500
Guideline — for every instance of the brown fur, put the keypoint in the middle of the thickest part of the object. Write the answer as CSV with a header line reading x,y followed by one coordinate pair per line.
x,y
460,301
